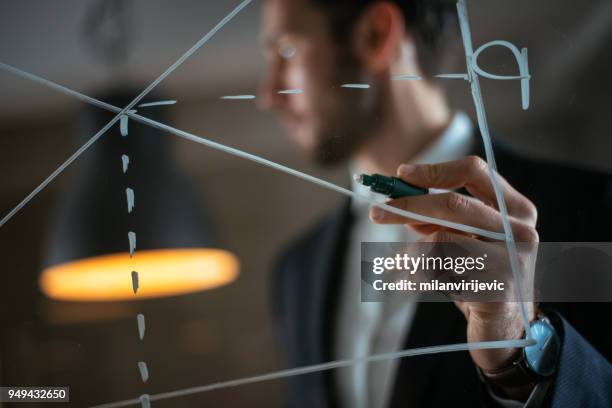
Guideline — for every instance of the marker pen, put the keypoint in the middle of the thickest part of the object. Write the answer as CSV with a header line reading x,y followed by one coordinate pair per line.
x,y
392,187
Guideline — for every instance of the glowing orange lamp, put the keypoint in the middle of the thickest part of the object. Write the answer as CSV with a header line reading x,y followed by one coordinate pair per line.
x,y
161,273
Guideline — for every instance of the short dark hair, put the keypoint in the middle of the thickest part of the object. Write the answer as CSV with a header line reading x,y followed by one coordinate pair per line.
x,y
433,23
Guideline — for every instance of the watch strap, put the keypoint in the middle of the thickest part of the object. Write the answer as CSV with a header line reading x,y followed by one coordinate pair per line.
x,y
515,375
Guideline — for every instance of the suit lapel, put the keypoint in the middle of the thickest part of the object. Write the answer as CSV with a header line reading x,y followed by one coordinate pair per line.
x,y
319,295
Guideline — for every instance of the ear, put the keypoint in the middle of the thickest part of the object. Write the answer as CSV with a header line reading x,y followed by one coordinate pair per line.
x,y
378,36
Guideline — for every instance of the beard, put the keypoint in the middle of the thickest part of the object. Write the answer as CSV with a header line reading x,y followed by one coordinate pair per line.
x,y
349,116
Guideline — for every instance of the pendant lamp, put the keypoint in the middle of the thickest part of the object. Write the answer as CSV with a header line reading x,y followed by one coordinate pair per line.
x,y
130,225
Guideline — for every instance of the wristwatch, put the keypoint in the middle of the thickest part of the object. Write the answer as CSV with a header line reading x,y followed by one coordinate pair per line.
x,y
533,363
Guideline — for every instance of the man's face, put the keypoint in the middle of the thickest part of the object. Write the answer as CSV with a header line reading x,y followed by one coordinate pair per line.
x,y
326,121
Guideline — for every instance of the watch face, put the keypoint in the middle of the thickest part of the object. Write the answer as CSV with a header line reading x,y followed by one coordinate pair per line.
x,y
542,357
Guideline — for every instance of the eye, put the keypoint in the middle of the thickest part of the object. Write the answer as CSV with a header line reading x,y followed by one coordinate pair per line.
x,y
286,50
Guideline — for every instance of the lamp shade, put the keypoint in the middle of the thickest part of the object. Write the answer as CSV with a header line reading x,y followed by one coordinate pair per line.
x,y
175,245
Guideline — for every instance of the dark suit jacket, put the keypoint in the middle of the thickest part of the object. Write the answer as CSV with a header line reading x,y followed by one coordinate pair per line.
x,y
573,205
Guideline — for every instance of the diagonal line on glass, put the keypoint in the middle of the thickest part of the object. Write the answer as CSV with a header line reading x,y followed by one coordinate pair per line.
x,y
492,167
322,367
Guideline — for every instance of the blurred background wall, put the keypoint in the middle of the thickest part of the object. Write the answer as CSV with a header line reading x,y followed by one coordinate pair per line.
x,y
228,332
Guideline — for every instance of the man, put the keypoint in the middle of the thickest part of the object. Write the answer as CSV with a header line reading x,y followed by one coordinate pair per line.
x,y
406,128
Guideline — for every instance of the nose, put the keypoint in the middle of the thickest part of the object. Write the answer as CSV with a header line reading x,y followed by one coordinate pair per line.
x,y
268,97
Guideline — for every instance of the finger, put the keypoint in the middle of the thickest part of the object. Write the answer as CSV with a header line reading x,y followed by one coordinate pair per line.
x,y
472,173
425,229
455,207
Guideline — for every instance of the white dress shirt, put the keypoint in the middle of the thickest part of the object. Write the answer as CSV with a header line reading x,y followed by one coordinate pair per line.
x,y
366,328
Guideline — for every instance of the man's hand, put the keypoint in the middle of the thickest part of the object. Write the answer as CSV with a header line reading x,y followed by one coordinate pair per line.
x,y
486,320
